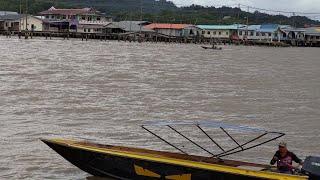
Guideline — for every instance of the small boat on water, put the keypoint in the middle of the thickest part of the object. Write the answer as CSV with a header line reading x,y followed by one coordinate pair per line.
x,y
213,48
136,163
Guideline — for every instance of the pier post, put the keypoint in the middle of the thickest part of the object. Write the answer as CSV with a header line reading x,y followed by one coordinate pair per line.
x,y
26,35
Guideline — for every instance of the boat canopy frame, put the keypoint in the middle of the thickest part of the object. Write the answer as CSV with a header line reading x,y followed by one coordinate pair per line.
x,y
214,124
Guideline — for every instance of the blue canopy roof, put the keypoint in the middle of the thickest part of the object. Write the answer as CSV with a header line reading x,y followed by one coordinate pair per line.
x,y
204,123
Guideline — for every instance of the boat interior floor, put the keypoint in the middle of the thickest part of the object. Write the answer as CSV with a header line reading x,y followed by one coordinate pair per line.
x,y
173,155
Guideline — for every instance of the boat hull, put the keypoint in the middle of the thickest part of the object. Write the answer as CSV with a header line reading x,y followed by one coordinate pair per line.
x,y
99,163
216,48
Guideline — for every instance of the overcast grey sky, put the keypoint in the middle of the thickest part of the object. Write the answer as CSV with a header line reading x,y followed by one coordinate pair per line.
x,y
283,5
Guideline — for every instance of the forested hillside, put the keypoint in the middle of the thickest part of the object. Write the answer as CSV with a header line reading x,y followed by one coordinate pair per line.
x,y
160,11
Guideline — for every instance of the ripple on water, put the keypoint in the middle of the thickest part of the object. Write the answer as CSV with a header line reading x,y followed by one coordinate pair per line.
x,y
102,91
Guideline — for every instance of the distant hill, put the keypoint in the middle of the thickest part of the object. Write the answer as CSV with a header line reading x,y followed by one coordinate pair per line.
x,y
109,6
162,11
227,15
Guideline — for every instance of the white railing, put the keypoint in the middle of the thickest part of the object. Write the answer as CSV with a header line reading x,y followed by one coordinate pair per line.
x,y
94,22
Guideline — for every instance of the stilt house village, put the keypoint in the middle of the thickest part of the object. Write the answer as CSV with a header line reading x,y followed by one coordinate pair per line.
x,y
89,23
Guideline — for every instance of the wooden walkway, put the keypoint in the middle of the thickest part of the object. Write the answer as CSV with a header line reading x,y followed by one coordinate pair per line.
x,y
151,37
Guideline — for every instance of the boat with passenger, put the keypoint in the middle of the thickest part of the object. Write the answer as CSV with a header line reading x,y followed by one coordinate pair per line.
x,y
123,162
212,47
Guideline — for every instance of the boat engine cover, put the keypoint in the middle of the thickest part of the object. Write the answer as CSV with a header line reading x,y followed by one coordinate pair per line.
x,y
312,166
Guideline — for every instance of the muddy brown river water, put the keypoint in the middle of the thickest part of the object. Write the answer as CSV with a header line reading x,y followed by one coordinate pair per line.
x,y
102,91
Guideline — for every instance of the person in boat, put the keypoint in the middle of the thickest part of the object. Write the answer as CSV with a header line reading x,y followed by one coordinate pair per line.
x,y
214,46
284,158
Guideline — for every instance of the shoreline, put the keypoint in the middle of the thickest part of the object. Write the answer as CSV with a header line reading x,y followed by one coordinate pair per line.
x,y
154,38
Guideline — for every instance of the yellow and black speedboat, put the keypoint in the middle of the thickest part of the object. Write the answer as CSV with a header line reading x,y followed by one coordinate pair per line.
x,y
134,163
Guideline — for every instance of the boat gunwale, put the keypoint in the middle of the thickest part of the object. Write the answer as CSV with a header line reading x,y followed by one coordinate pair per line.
x,y
93,147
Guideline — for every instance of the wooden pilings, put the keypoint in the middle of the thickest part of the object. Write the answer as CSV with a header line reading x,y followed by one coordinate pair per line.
x,y
151,37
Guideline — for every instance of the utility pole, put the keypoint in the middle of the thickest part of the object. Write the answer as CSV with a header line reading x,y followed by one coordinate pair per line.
x,y
141,10
26,35
248,16
280,22
20,12
26,14
248,21
140,16
294,22
239,7
238,19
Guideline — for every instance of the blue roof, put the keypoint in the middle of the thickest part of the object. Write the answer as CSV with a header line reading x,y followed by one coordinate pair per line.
x,y
220,27
268,28
251,27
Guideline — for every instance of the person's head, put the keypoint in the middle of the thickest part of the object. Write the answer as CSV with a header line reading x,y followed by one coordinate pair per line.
x,y
283,147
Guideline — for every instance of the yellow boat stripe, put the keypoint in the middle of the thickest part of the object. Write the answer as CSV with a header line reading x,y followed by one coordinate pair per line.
x,y
179,177
145,172
180,162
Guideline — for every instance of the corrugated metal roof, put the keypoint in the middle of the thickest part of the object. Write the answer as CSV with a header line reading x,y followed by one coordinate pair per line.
x,y
10,17
251,27
315,31
167,26
2,13
138,22
129,26
221,27
292,29
53,10
285,27
96,26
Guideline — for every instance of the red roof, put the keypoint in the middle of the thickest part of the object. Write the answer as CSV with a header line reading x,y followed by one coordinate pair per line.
x,y
166,26
53,10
